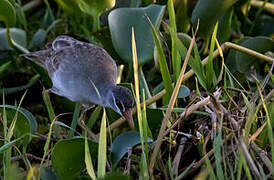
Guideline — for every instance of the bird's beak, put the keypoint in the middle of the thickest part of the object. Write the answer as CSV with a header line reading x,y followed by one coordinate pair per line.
x,y
128,115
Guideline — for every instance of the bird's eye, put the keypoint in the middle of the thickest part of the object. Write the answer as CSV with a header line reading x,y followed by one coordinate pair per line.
x,y
120,106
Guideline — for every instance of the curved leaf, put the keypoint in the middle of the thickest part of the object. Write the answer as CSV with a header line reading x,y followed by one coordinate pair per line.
x,y
68,157
121,21
11,90
18,35
25,123
121,144
260,44
95,7
7,13
183,92
38,39
208,12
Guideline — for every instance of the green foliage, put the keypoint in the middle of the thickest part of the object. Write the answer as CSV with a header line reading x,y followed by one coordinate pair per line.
x,y
122,143
7,13
229,132
208,12
121,21
68,157
18,36
25,122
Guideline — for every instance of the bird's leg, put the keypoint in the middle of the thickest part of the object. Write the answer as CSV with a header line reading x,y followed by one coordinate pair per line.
x,y
82,124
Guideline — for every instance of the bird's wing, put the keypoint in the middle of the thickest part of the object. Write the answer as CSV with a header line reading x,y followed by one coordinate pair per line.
x,y
87,59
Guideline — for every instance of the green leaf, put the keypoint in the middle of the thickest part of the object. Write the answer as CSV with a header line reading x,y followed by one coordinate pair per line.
x,y
121,144
163,65
88,160
210,73
38,39
260,44
224,29
208,12
7,14
68,157
47,173
95,7
183,92
17,35
4,68
25,123
102,152
121,21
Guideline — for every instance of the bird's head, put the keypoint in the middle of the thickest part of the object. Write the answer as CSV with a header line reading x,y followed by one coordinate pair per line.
x,y
122,102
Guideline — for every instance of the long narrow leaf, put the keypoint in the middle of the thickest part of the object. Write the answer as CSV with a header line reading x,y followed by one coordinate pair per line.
x,y
102,152
162,62
88,161
176,60
210,74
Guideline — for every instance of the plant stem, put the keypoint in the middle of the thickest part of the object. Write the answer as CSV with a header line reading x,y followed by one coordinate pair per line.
x,y
73,125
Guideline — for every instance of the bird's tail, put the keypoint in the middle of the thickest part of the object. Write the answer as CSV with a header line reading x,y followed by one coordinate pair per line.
x,y
39,57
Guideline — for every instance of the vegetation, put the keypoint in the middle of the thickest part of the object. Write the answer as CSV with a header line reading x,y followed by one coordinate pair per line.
x,y
204,106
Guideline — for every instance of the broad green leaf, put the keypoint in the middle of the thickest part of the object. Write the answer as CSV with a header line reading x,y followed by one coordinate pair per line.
x,y
208,12
224,29
47,173
259,44
183,92
121,144
95,7
25,123
38,39
121,21
68,157
7,13
17,35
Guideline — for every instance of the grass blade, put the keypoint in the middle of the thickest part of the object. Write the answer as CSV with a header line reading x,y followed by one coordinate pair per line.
x,y
210,74
88,160
102,149
176,60
162,62
75,117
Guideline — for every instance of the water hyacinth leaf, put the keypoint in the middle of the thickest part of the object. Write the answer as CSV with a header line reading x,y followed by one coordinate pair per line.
x,y
224,28
25,123
47,173
183,92
38,39
121,144
259,44
17,35
95,7
208,12
121,21
7,13
68,157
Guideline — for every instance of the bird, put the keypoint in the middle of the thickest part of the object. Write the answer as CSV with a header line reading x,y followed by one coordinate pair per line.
x,y
85,73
